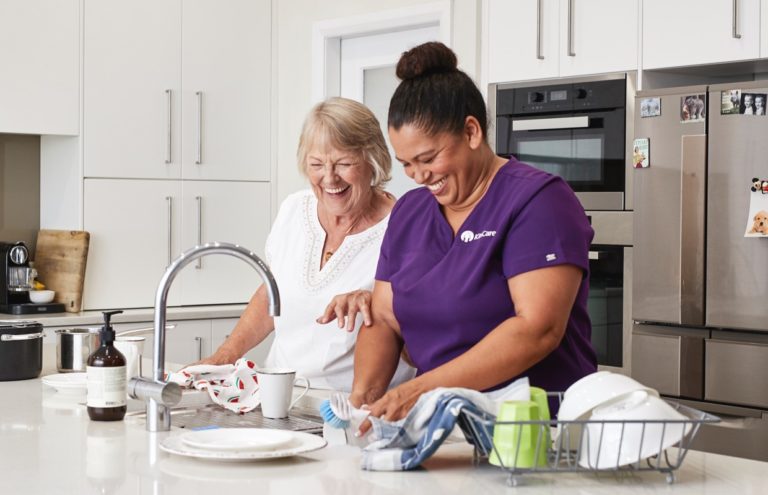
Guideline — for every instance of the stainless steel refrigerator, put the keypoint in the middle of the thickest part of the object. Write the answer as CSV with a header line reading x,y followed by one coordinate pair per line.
x,y
700,287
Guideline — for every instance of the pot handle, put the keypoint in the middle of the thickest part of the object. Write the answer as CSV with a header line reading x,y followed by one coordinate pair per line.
x,y
7,337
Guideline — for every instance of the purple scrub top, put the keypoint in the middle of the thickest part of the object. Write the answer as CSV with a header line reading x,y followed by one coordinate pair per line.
x,y
449,292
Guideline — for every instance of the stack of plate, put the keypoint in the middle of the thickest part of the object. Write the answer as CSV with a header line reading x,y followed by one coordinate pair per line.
x,y
241,444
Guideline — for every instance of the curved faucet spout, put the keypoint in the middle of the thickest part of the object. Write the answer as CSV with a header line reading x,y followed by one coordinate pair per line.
x,y
158,416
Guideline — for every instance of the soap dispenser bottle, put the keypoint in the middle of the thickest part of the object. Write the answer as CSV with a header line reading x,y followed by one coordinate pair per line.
x,y
105,375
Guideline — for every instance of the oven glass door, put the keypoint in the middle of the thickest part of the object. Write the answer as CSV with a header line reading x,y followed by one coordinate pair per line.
x,y
588,151
605,303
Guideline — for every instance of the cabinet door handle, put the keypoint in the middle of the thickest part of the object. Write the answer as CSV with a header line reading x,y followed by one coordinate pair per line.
x,y
199,200
539,16
169,129
199,154
571,7
199,341
169,199
736,33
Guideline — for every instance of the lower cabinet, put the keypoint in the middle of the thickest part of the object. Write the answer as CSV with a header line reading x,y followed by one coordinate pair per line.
x,y
138,227
222,328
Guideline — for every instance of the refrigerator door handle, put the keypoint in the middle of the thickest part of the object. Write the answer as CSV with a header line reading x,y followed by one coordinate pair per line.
x,y
692,206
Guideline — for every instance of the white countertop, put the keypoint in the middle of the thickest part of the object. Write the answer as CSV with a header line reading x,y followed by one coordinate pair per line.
x,y
49,446
131,315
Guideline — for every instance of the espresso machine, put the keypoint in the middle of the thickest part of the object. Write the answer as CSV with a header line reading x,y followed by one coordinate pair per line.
x,y
16,277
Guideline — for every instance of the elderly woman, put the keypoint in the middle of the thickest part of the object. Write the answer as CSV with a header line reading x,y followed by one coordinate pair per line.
x,y
325,242
483,271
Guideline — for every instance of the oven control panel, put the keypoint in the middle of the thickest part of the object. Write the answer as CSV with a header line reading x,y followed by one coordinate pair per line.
x,y
558,98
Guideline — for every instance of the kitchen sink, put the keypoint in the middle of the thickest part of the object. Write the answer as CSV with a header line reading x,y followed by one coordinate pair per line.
x,y
196,411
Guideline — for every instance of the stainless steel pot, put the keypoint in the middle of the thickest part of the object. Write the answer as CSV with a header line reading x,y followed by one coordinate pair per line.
x,y
74,345
21,350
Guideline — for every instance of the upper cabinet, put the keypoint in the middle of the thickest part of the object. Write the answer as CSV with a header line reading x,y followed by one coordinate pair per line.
x,y
177,89
40,54
538,39
691,32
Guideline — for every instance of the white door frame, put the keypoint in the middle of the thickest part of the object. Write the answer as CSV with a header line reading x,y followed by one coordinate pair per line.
x,y
326,38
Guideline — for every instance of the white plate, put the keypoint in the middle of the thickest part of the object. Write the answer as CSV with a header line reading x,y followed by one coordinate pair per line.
x,y
237,439
67,383
301,444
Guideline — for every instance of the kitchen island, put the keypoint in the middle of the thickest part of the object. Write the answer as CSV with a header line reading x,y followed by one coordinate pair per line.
x,y
49,446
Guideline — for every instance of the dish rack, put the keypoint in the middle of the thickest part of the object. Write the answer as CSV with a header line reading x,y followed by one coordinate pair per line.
x,y
560,437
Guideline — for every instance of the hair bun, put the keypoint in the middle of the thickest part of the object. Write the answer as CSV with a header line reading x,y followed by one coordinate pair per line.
x,y
428,58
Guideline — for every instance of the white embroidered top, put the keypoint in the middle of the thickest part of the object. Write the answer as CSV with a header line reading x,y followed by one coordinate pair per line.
x,y
322,353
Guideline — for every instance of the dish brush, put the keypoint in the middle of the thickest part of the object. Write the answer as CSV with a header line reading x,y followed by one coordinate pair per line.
x,y
339,413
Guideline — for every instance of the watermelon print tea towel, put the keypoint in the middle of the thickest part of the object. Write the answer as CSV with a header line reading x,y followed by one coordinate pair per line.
x,y
232,386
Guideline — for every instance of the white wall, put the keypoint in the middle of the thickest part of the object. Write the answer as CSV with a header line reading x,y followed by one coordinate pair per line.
x,y
293,21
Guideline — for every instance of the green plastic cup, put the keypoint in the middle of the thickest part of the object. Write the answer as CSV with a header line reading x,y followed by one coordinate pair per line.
x,y
519,445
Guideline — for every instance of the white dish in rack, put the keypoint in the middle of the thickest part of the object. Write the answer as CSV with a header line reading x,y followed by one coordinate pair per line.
x,y
301,443
237,439
67,383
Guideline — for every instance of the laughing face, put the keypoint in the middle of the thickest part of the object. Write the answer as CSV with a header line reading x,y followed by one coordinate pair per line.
x,y
442,162
340,179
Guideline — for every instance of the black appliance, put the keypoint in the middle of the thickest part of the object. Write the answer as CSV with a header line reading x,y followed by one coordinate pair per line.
x,y
16,281
576,130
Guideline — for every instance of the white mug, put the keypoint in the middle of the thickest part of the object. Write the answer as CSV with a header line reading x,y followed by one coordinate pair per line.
x,y
276,389
131,347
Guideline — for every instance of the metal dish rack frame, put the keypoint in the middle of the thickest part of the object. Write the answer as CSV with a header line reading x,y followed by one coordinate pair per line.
x,y
561,458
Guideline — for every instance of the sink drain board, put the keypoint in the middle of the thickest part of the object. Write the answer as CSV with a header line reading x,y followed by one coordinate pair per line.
x,y
215,416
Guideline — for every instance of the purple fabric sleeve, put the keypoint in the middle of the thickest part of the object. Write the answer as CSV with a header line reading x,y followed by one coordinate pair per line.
x,y
549,231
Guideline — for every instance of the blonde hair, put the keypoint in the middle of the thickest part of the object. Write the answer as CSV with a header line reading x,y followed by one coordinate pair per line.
x,y
350,126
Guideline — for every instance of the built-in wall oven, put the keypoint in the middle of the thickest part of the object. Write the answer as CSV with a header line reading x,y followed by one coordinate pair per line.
x,y
577,129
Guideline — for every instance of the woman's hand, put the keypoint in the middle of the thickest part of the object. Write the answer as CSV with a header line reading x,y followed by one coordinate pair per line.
x,y
394,405
345,307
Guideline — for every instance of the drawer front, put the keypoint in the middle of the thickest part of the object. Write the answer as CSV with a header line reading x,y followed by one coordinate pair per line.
x,y
672,364
735,373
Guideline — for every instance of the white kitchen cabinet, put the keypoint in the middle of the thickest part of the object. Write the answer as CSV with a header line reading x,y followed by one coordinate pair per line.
x,y
225,88
222,328
540,39
603,36
764,29
134,228
40,54
691,32
177,89
132,79
139,226
235,212
523,42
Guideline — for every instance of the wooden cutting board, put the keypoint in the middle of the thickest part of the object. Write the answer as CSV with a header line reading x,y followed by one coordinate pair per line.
x,y
60,258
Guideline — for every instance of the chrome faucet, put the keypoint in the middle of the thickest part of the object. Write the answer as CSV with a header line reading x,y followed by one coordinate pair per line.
x,y
159,414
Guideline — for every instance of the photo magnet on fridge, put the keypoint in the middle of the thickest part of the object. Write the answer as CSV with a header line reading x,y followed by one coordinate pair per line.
x,y
753,104
757,221
693,108
650,107
641,153
730,101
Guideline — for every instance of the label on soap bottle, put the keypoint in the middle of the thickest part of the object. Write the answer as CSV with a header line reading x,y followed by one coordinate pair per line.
x,y
106,386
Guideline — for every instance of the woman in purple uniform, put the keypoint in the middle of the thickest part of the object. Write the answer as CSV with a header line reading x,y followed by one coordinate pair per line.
x,y
483,272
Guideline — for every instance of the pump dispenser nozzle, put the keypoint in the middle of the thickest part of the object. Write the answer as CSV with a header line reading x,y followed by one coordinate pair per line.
x,y
107,332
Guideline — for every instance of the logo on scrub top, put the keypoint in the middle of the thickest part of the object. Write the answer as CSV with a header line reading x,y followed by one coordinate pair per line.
x,y
469,236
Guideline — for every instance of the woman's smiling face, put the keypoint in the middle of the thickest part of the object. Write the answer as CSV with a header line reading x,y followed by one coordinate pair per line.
x,y
340,179
441,162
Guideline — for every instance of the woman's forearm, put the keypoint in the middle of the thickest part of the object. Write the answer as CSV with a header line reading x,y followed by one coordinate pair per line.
x,y
377,350
377,354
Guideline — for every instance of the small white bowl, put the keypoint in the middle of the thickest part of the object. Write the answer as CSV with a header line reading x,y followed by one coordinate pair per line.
x,y
41,296
598,389
612,445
